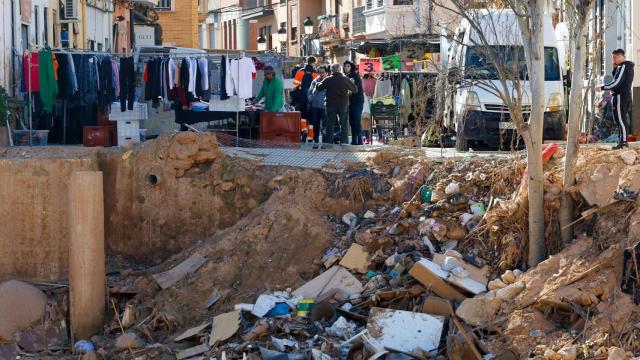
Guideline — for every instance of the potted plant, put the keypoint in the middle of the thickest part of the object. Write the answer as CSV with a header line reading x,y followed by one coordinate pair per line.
x,y
4,117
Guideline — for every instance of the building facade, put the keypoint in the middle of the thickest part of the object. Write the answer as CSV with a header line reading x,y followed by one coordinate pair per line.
x,y
179,22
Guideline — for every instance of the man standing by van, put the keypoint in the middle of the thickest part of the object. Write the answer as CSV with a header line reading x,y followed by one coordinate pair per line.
x,y
620,88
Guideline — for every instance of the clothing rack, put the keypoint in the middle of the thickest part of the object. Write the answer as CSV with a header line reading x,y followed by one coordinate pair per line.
x,y
137,55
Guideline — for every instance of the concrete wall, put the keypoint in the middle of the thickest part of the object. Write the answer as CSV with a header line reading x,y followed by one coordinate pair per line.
x,y
33,214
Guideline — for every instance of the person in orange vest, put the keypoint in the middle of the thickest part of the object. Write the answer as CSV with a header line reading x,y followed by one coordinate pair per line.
x,y
302,82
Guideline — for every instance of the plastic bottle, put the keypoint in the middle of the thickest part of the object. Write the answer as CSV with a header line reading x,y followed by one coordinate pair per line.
x,y
425,194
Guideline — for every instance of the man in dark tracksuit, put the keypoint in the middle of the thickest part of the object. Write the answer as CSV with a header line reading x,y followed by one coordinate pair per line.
x,y
620,88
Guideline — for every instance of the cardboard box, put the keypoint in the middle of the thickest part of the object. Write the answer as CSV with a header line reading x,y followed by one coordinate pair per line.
x,y
433,277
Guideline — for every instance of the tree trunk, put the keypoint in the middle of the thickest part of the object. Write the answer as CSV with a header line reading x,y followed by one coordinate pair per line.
x,y
535,41
566,213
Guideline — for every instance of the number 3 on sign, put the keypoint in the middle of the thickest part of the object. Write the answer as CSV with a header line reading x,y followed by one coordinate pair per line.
x,y
370,65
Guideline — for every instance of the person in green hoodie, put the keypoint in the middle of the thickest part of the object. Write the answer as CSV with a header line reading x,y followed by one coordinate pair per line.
x,y
272,91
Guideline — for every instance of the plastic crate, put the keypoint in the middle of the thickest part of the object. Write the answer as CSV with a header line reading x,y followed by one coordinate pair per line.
x,y
38,137
139,112
128,131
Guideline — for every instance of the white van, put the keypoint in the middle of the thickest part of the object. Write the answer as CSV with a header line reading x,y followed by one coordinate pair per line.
x,y
474,110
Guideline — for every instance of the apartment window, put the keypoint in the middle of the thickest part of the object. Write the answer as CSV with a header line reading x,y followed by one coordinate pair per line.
x,y
164,5
224,35
380,3
36,15
369,4
402,2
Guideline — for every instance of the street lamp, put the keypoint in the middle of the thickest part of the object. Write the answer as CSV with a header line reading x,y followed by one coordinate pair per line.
x,y
308,26
282,34
262,43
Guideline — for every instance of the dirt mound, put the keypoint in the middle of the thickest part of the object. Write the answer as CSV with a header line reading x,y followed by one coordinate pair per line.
x,y
165,194
272,248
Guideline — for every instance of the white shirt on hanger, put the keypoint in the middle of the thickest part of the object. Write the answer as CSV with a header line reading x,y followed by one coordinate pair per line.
x,y
193,66
172,73
243,71
203,66
228,85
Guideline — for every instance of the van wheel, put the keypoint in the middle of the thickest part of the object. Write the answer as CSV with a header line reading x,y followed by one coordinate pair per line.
x,y
462,144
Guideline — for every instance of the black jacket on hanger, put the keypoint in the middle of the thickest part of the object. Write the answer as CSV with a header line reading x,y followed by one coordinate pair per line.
x,y
223,78
127,83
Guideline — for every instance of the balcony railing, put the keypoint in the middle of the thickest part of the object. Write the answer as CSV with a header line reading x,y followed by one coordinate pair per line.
x,y
328,28
359,21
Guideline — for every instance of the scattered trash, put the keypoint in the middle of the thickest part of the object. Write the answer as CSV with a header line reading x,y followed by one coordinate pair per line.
x,y
192,351
191,332
404,330
337,281
284,344
224,326
356,259
341,328
350,219
84,346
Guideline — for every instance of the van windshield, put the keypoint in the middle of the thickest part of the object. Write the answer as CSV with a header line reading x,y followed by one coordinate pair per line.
x,y
479,65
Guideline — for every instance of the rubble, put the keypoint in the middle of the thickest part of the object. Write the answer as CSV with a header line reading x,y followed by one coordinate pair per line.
x,y
427,260
21,305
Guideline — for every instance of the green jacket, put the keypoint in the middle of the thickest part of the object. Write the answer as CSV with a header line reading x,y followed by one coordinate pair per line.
x,y
48,84
273,93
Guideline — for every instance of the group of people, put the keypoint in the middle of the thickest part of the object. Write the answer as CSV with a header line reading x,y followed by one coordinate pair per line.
x,y
332,93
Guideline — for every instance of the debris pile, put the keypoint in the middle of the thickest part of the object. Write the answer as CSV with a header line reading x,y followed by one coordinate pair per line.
x,y
403,257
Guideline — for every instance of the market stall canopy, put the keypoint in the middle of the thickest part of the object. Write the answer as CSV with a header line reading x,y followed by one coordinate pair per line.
x,y
428,45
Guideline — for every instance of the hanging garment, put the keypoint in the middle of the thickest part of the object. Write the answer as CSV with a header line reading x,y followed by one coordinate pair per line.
x,y
67,83
116,78
243,71
127,83
369,85
171,73
229,83
193,68
106,95
214,77
223,78
203,67
48,83
31,72
384,87
87,76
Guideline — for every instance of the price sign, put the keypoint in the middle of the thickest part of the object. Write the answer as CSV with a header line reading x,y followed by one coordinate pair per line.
x,y
370,65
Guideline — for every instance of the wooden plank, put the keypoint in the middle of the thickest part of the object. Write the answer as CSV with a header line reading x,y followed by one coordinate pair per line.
x,y
171,277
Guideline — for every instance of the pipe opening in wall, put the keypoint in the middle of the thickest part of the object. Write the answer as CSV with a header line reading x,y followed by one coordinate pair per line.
x,y
152,179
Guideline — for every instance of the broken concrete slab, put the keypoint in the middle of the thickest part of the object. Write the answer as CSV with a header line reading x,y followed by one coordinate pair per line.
x,y
404,330
224,326
171,277
479,311
598,189
192,351
335,280
356,259
191,332
21,304
629,157
432,276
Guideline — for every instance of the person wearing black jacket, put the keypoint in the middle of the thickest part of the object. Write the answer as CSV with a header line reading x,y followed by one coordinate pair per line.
x,y
356,103
338,88
620,88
